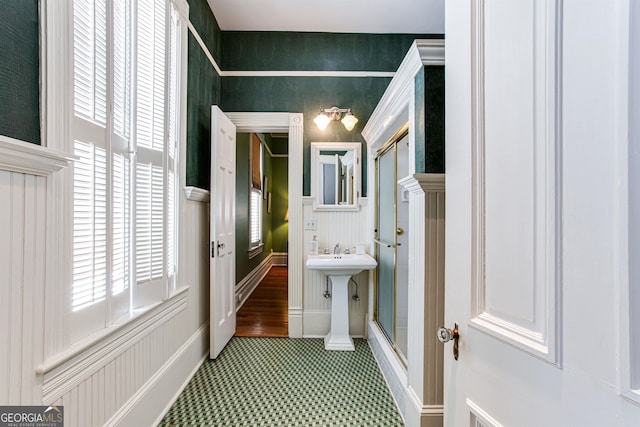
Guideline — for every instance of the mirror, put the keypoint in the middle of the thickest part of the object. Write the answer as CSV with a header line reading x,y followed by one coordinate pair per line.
x,y
335,175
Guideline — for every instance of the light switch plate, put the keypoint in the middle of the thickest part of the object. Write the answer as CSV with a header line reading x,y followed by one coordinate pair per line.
x,y
310,224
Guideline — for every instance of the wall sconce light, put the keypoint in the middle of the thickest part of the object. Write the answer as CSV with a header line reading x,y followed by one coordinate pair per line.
x,y
327,115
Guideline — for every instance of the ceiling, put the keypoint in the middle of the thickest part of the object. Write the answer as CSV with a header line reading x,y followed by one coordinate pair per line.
x,y
334,16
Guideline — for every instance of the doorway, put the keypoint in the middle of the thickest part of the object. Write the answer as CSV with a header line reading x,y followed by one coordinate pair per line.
x,y
290,123
262,234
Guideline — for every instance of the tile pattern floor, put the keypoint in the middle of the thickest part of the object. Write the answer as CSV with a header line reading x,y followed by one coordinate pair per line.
x,y
286,382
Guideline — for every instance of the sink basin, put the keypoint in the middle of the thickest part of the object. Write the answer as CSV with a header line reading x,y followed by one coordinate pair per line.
x,y
341,265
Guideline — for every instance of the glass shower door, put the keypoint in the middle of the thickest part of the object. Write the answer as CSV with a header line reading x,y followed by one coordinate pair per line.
x,y
386,242
392,226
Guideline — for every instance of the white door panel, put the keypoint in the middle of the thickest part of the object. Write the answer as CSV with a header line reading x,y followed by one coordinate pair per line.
x,y
533,135
223,185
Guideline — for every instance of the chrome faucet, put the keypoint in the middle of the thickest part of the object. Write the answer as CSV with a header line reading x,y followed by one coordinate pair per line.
x,y
336,249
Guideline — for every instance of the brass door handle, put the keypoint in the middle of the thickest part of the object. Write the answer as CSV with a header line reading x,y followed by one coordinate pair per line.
x,y
445,335
399,231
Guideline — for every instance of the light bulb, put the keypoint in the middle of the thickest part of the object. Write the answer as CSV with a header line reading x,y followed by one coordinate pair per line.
x,y
322,121
349,121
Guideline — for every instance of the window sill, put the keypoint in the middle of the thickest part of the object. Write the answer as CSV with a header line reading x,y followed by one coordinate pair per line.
x,y
116,337
255,251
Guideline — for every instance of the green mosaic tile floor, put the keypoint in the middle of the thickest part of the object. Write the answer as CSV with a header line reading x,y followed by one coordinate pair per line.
x,y
286,382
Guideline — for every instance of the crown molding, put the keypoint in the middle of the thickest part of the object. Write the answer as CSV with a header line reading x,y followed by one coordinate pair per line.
x,y
283,73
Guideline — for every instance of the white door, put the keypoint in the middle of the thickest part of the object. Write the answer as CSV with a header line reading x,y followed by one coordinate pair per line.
x,y
223,225
535,262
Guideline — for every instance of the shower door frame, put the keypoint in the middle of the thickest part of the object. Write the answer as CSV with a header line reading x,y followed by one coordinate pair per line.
x,y
392,144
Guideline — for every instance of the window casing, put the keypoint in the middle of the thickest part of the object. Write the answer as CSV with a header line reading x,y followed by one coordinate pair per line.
x,y
125,127
255,196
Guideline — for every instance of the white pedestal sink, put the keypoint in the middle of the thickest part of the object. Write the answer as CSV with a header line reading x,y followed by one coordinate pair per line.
x,y
340,268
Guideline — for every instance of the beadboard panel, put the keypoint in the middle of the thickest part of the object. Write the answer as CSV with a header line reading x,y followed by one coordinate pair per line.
x,y
347,229
136,377
22,218
112,391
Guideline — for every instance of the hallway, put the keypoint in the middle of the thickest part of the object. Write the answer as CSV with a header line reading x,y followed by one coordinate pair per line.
x,y
265,314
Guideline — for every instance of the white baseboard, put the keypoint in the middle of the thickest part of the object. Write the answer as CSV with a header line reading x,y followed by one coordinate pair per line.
x,y
392,370
280,259
250,282
152,401
295,323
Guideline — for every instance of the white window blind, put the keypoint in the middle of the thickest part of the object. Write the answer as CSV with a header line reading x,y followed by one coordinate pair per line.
x,y
90,59
121,68
149,222
155,143
124,204
255,192
88,129
90,226
150,82
121,225
255,217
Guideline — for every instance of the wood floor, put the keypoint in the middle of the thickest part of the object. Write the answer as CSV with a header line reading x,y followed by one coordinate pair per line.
x,y
265,313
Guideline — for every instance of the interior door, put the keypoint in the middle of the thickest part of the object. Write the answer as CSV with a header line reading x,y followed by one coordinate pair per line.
x,y
532,135
222,231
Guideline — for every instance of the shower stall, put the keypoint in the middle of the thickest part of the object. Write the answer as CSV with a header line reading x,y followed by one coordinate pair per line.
x,y
391,243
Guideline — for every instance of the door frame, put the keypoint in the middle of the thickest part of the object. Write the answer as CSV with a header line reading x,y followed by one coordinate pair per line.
x,y
291,123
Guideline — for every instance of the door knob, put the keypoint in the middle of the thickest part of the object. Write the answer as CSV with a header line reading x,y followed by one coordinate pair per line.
x,y
446,335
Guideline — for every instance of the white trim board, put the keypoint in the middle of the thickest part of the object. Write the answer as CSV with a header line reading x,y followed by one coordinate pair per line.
x,y
282,73
196,194
33,159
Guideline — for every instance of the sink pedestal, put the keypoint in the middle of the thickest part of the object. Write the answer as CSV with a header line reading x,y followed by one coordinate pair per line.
x,y
339,268
338,337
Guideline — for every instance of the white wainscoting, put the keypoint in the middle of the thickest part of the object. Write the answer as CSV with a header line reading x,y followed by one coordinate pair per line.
x,y
135,380
24,171
346,228
22,272
133,373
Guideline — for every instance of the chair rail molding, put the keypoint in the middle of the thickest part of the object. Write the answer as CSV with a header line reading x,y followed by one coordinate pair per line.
x,y
24,157
196,194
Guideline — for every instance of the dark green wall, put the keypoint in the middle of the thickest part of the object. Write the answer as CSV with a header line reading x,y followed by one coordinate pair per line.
x,y
19,70
307,95
316,52
429,120
420,120
244,265
435,115
203,91
279,203
269,50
